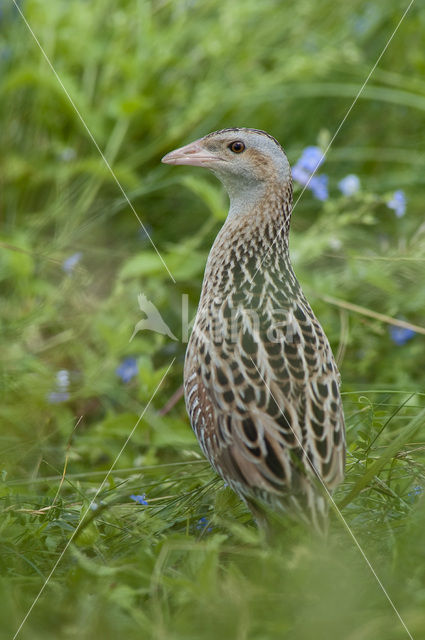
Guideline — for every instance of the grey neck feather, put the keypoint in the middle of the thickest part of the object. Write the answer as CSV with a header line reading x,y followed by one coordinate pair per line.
x,y
244,200
246,194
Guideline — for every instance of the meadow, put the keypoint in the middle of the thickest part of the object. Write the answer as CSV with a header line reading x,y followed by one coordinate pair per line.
x,y
112,523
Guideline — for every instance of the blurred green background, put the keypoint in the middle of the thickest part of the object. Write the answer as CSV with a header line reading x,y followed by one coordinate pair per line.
x,y
166,551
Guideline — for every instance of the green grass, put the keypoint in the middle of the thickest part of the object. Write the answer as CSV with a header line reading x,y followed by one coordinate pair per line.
x,y
148,76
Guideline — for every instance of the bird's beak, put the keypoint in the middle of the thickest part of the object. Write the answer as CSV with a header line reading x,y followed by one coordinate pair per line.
x,y
193,154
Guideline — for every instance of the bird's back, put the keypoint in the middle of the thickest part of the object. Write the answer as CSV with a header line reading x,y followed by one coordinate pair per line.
x,y
261,384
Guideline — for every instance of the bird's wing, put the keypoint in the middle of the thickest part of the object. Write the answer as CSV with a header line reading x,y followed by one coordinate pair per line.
x,y
266,407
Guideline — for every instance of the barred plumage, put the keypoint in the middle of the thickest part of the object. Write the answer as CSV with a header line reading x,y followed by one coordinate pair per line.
x,y
261,384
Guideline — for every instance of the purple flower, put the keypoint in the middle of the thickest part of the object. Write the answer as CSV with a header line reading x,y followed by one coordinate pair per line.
x,y
401,335
70,263
398,203
127,369
140,499
310,160
56,397
349,185
202,524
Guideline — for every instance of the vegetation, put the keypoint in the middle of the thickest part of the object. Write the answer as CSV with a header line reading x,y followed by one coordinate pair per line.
x,y
160,548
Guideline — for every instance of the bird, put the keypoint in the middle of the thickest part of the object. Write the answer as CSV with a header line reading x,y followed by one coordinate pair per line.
x,y
261,385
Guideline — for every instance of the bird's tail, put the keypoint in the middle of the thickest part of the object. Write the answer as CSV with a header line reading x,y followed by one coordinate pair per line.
x,y
309,507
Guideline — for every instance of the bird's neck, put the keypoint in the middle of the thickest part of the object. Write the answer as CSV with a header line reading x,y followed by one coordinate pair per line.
x,y
242,201
257,238
261,210
256,197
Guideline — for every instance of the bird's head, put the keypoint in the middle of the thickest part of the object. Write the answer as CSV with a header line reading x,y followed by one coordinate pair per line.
x,y
247,161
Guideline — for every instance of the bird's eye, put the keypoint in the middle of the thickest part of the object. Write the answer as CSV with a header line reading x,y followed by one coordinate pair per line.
x,y
237,146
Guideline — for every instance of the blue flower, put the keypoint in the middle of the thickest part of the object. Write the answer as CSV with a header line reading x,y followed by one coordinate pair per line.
x,y
56,397
414,493
5,52
398,203
300,175
70,263
401,335
202,524
145,233
62,379
127,369
319,187
61,392
67,154
310,160
349,185
140,499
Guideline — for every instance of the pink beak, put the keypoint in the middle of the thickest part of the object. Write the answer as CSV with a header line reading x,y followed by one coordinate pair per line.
x,y
193,154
